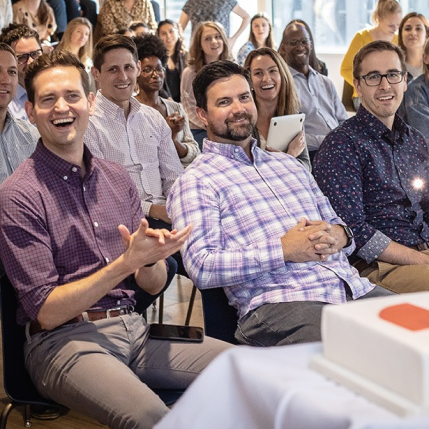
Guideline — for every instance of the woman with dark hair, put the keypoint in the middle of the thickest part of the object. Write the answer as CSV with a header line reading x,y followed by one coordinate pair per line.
x,y
169,32
261,35
209,43
153,58
37,15
413,33
275,95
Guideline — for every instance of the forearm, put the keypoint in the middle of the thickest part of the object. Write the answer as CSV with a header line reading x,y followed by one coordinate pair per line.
x,y
158,211
398,254
152,279
69,300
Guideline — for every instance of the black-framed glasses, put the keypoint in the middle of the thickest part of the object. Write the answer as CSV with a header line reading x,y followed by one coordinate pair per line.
x,y
23,58
149,71
374,79
303,42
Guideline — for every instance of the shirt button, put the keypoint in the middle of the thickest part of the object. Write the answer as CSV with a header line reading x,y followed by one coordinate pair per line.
x,y
107,260
84,189
74,169
236,150
65,177
96,224
232,156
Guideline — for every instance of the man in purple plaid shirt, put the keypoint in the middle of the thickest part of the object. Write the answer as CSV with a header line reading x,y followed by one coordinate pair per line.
x,y
75,246
262,229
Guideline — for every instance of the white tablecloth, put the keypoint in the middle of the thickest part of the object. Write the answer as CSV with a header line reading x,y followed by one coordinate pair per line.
x,y
263,388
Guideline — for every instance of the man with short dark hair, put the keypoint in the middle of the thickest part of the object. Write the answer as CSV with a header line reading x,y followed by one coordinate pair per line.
x,y
128,132
75,246
26,44
318,97
374,169
262,229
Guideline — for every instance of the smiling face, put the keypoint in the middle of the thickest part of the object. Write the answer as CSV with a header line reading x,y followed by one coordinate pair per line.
x,y
296,48
117,76
61,109
266,79
25,46
261,30
168,34
151,76
80,36
231,112
8,78
211,44
414,33
389,23
383,100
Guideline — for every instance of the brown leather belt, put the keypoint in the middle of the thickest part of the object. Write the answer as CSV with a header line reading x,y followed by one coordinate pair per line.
x,y
421,246
87,316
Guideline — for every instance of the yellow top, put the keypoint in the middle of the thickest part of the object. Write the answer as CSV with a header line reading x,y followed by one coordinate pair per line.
x,y
362,38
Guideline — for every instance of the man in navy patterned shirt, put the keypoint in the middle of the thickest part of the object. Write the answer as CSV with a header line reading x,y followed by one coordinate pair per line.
x,y
374,169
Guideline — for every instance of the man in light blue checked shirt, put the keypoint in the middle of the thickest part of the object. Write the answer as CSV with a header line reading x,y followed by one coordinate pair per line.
x,y
262,229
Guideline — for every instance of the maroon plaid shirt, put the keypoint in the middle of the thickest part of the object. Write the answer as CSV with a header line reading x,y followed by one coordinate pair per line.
x,y
56,228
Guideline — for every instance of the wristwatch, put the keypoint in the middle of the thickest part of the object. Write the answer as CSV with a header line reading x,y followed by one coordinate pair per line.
x,y
349,234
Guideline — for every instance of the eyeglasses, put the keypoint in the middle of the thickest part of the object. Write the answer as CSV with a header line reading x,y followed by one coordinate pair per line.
x,y
23,58
303,42
149,71
374,79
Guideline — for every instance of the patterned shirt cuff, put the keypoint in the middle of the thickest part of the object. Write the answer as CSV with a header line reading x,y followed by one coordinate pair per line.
x,y
372,249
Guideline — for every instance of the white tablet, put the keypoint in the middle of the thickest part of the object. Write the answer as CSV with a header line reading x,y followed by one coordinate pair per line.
x,y
283,129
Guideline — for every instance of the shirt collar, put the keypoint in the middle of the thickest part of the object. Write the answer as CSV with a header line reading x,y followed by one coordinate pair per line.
x,y
60,166
297,73
379,130
113,109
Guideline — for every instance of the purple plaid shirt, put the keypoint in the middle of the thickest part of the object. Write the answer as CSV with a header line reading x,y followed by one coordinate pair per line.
x,y
240,210
57,228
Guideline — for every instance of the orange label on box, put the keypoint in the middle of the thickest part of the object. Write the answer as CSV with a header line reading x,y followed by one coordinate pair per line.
x,y
408,316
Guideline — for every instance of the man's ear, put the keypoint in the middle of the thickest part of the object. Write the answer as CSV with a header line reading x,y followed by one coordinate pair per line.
x,y
202,115
95,73
356,84
91,102
29,109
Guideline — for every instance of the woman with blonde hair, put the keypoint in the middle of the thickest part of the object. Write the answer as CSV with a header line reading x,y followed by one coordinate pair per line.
x,y
386,17
77,39
209,43
275,95
261,35
413,33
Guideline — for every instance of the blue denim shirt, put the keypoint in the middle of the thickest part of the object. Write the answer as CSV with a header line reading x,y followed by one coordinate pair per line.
x,y
415,106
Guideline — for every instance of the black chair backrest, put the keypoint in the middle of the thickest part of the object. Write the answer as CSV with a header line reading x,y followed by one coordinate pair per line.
x,y
17,381
220,319
347,97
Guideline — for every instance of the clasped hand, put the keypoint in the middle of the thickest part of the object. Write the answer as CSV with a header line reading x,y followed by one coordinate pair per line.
x,y
147,245
310,241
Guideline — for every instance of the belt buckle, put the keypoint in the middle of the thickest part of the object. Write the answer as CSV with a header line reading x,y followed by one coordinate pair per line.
x,y
123,309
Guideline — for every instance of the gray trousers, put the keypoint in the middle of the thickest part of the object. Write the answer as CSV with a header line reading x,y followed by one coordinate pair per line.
x,y
285,323
106,369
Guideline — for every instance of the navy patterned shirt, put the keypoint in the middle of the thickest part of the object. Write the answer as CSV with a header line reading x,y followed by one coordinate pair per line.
x,y
378,181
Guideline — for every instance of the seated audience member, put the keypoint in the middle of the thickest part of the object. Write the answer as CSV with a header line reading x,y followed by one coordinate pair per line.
x,y
275,95
413,33
261,36
209,43
77,39
198,11
130,133
318,97
317,64
139,29
262,229
117,14
26,44
74,278
386,16
414,109
38,15
374,170
153,58
169,32
18,137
